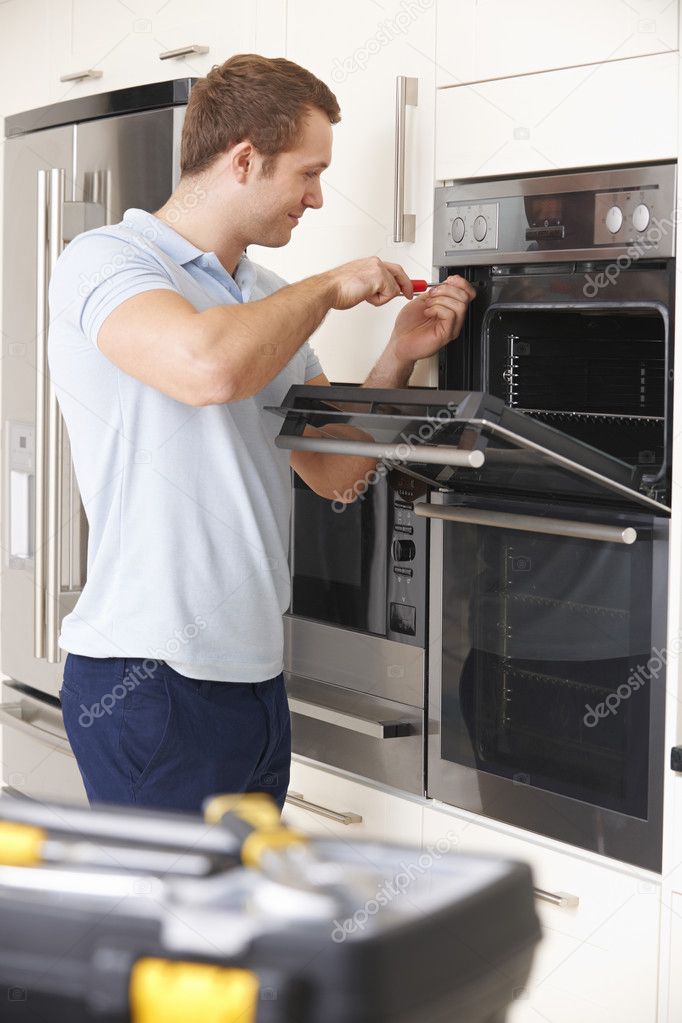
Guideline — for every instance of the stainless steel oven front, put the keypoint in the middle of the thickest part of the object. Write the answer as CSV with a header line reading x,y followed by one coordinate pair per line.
x,y
547,669
547,655
355,634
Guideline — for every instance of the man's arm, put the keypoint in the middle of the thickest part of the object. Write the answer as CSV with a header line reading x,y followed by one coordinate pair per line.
x,y
230,352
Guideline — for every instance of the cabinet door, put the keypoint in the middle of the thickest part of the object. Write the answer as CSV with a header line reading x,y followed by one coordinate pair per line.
x,y
126,44
331,804
598,960
25,30
358,54
482,39
619,112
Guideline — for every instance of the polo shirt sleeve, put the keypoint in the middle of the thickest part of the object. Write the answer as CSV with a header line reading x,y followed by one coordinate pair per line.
x,y
97,272
313,366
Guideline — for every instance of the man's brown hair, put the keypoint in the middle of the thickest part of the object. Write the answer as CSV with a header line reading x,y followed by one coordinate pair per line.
x,y
250,97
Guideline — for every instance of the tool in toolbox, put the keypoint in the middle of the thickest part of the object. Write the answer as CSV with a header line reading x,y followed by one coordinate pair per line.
x,y
119,915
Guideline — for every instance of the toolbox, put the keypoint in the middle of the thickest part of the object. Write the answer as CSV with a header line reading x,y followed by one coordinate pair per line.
x,y
114,914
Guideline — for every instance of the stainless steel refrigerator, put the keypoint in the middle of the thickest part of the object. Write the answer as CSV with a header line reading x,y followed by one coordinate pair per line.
x,y
68,167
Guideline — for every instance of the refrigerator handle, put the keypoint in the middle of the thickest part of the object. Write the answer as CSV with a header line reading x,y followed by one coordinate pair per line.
x,y
41,390
53,547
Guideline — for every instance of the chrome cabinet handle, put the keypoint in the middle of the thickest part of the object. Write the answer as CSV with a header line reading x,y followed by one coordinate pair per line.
x,y
562,899
391,452
530,523
79,76
352,722
406,94
53,547
183,51
11,717
345,817
41,391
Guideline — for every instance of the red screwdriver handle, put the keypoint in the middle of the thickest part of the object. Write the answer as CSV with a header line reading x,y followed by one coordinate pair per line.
x,y
419,286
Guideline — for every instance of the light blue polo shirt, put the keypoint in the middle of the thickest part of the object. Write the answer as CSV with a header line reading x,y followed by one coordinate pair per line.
x,y
188,508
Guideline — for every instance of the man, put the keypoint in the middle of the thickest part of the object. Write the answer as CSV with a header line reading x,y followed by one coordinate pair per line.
x,y
165,343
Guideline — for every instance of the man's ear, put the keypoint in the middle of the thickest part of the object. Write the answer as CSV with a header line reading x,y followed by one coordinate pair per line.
x,y
242,161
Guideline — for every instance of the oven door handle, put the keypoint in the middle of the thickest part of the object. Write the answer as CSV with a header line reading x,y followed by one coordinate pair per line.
x,y
445,455
530,523
351,722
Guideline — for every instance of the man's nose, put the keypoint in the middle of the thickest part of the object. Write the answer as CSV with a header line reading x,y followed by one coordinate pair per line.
x,y
313,197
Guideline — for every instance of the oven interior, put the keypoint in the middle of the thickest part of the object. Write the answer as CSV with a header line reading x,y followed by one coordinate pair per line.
x,y
600,376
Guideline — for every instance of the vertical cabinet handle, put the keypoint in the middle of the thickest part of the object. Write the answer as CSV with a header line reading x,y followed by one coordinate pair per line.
x,y
406,94
53,568
41,390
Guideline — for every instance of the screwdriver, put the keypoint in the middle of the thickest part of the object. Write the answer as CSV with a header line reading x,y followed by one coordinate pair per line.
x,y
419,286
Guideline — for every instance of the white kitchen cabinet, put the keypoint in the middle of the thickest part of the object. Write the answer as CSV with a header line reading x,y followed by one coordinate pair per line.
x,y
610,113
673,1008
359,52
484,39
124,42
598,961
337,800
26,29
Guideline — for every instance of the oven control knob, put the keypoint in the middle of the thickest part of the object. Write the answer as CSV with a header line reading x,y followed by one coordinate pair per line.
x,y
480,228
457,230
614,219
404,550
641,217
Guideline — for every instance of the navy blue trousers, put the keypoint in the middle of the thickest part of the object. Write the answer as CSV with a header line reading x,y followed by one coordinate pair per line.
x,y
144,734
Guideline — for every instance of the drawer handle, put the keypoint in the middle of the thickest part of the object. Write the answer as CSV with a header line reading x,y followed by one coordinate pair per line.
x,y
296,799
183,51
351,722
562,899
79,76
11,717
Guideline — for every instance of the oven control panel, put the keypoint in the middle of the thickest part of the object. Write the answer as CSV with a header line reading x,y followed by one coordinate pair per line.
x,y
587,215
625,216
472,226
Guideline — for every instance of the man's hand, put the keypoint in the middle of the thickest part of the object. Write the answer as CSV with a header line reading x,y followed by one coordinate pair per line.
x,y
430,320
367,280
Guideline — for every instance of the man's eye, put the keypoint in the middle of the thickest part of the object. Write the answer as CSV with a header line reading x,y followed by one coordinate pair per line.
x,y
312,174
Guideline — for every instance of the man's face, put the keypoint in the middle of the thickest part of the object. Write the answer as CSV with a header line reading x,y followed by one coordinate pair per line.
x,y
278,200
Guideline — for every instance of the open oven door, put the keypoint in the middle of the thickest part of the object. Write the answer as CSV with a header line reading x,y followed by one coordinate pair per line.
x,y
457,440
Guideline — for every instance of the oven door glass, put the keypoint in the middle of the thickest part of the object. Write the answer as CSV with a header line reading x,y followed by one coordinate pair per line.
x,y
551,656
455,440
544,670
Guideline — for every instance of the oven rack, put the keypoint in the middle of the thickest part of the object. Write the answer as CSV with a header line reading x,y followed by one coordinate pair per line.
x,y
610,417
564,605
510,669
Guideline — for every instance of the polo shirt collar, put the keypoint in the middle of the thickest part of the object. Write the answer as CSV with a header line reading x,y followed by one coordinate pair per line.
x,y
160,233
182,251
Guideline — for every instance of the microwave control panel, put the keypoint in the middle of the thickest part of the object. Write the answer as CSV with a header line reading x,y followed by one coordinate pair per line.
x,y
407,565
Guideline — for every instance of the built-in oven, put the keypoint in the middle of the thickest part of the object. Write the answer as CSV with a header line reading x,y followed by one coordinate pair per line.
x,y
547,669
543,461
547,689
355,634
